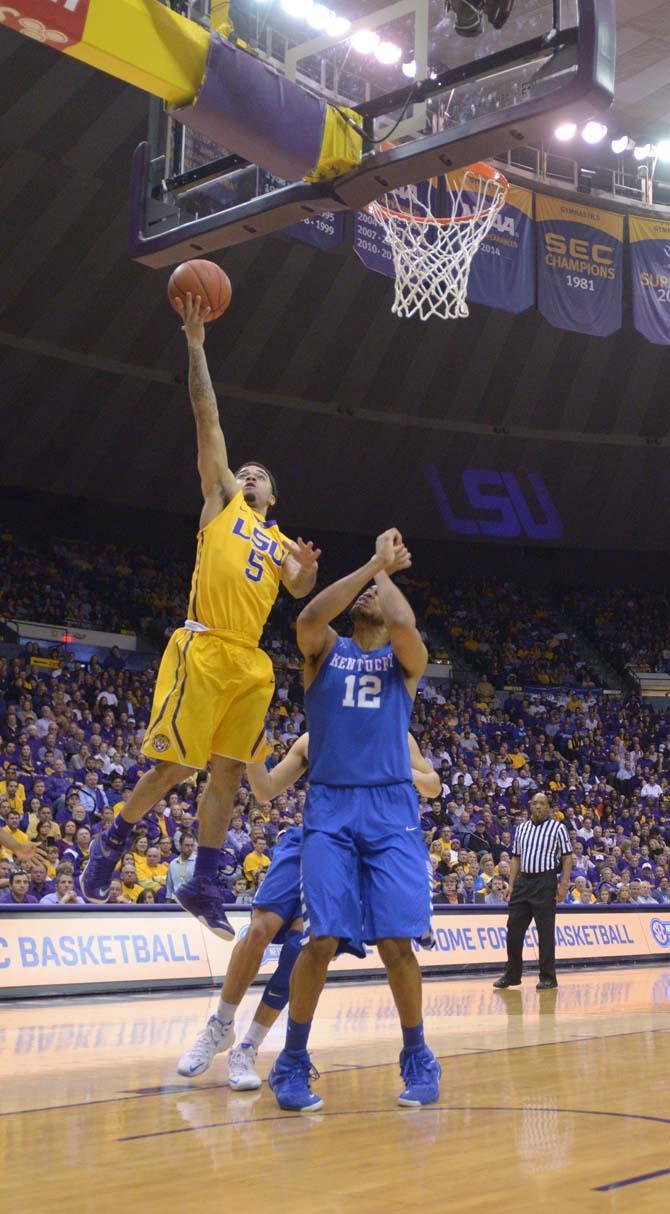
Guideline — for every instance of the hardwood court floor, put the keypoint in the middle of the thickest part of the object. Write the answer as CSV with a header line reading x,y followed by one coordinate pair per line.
x,y
558,1102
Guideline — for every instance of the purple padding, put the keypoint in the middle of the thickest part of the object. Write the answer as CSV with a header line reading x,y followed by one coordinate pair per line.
x,y
246,107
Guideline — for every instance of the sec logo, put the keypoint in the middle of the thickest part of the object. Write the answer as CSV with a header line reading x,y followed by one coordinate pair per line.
x,y
660,930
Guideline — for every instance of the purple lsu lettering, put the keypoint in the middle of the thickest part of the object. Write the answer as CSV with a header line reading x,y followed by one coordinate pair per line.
x,y
500,496
261,545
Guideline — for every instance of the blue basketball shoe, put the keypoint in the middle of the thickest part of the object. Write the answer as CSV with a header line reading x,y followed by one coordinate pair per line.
x,y
202,898
421,1073
289,1080
96,876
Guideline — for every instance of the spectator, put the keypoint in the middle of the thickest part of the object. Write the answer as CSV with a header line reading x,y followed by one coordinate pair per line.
x,y
65,893
494,895
18,893
256,859
182,868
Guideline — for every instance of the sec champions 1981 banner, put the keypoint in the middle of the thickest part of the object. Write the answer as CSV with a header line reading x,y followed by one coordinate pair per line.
x,y
650,271
579,266
503,268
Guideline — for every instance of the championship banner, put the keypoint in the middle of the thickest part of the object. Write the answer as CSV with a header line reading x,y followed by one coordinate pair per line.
x,y
371,245
57,23
324,231
579,266
650,268
503,268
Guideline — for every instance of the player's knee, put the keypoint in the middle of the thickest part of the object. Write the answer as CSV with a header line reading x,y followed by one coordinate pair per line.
x,y
394,952
225,773
321,949
260,933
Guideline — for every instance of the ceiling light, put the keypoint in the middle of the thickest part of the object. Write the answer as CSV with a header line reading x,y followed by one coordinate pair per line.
x,y
388,52
317,15
594,132
365,42
337,27
409,69
624,144
642,151
566,131
296,8
663,150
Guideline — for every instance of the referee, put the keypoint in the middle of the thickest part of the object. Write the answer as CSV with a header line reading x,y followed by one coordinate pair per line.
x,y
539,844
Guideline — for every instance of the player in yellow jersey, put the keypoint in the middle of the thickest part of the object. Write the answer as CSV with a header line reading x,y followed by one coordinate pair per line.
x,y
214,684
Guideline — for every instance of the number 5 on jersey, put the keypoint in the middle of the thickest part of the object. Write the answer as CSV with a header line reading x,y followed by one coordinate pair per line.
x,y
363,692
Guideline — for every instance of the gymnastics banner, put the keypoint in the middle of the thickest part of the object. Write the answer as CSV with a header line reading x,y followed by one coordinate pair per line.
x,y
650,271
579,266
324,231
503,268
56,23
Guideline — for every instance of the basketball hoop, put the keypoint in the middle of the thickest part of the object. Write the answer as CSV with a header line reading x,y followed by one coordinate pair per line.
x,y
432,255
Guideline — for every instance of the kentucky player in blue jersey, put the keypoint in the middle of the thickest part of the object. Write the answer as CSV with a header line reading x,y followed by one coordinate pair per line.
x,y
276,919
364,858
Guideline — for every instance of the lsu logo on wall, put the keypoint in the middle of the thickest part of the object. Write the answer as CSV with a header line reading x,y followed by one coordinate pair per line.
x,y
501,507
660,930
56,23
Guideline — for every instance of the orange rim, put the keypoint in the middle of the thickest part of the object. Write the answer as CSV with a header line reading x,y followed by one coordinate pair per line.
x,y
480,169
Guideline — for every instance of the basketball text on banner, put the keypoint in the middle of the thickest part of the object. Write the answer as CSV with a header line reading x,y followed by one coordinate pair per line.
x,y
371,246
502,274
579,266
650,269
324,231
56,23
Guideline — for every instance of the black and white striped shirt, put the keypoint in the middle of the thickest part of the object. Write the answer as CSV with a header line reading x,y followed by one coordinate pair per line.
x,y
540,846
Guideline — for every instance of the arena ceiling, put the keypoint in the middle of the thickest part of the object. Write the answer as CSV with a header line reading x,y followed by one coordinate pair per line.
x,y
350,406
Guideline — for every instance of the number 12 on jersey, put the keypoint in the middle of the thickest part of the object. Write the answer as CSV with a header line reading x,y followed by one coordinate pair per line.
x,y
362,692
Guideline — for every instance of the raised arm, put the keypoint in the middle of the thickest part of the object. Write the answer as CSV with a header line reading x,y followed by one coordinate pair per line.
x,y
265,785
216,478
424,777
401,623
315,636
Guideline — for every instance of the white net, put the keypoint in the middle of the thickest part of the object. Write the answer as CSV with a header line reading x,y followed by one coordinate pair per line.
x,y
432,254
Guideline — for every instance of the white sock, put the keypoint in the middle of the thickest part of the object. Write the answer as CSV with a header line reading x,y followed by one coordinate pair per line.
x,y
255,1034
226,1011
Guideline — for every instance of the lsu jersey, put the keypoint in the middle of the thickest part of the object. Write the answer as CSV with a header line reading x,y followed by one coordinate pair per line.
x,y
237,572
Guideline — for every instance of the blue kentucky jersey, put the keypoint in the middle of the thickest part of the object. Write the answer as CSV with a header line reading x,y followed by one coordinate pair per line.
x,y
358,714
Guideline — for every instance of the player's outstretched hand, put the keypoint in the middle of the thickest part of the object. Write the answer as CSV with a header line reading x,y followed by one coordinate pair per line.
x,y
26,852
305,554
193,314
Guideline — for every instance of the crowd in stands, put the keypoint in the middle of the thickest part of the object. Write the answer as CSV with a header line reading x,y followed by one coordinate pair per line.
x,y
630,627
70,754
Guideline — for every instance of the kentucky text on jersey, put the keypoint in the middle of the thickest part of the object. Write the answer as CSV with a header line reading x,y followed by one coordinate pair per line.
x,y
358,714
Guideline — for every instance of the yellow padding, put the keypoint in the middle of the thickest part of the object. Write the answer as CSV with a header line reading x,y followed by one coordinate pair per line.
x,y
147,45
341,148
220,18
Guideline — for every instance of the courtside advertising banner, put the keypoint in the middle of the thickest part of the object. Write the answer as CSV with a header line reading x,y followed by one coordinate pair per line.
x,y
56,23
503,268
579,266
324,231
78,950
650,272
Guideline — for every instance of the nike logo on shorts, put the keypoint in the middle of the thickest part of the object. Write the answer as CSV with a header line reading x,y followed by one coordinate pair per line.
x,y
411,828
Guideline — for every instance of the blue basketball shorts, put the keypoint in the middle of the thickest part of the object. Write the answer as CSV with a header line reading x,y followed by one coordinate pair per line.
x,y
280,891
365,867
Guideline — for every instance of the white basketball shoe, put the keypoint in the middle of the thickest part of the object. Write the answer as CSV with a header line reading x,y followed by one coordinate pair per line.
x,y
241,1074
215,1038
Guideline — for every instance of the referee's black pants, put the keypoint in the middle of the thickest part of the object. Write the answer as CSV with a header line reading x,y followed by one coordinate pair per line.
x,y
533,897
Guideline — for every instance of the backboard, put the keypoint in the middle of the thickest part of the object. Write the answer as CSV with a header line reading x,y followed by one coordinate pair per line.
x,y
444,100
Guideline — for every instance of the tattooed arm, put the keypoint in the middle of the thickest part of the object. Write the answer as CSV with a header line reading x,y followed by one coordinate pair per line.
x,y
217,480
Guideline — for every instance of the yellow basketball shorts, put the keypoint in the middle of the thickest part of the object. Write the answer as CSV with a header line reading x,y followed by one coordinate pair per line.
x,y
212,695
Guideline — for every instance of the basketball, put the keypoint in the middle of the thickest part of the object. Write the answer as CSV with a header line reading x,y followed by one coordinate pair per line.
x,y
203,278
